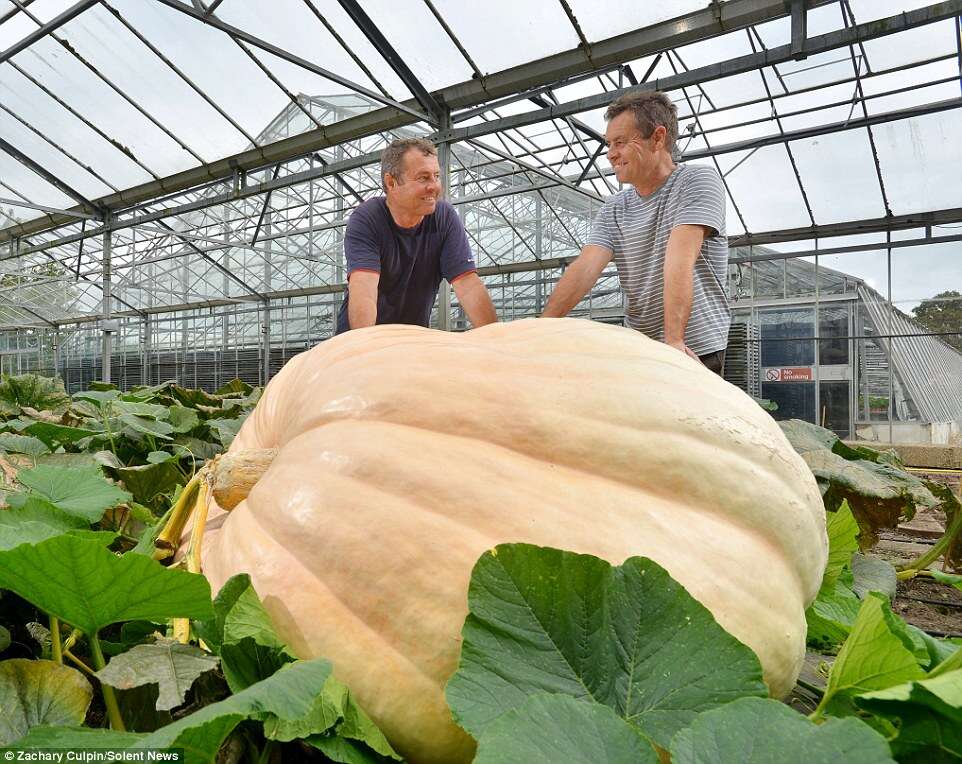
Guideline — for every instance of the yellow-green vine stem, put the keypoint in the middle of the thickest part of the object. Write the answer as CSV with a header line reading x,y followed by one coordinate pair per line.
x,y
912,569
56,653
169,537
110,700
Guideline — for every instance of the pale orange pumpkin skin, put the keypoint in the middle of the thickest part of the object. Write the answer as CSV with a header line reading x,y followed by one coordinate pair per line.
x,y
405,453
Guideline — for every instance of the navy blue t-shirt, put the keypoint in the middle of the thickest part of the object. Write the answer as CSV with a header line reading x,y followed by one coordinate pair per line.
x,y
411,261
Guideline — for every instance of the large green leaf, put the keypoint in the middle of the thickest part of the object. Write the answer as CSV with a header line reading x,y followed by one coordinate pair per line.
x,y
225,429
929,712
23,444
242,634
842,542
36,520
548,729
831,616
85,585
55,434
150,480
872,574
757,731
99,398
286,697
133,424
166,663
629,637
141,410
80,491
876,486
34,391
234,387
874,657
182,419
37,692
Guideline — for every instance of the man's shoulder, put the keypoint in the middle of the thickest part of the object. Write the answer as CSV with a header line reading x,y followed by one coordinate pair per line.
x,y
619,199
698,173
369,211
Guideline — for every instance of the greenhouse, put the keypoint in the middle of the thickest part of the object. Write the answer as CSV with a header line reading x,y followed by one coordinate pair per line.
x,y
251,510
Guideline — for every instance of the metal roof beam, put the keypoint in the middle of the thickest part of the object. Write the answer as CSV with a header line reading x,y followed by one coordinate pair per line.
x,y
44,29
699,25
48,176
393,58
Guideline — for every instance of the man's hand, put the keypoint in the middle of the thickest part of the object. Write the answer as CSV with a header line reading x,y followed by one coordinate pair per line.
x,y
578,278
362,298
681,346
474,299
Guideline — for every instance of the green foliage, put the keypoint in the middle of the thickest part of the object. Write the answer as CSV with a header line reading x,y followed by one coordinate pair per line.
x,y
942,313
543,620
35,693
33,391
757,731
547,729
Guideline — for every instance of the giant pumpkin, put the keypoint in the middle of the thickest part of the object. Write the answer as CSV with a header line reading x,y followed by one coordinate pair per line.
x,y
404,453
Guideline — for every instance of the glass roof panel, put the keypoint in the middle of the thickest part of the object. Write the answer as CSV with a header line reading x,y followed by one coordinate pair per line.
x,y
27,183
34,106
913,45
540,30
421,41
15,29
922,272
826,18
621,16
227,74
839,176
736,90
75,84
869,10
110,47
49,158
821,69
921,160
290,25
765,189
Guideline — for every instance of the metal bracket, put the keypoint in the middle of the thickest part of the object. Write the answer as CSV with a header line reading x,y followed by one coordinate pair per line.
x,y
799,27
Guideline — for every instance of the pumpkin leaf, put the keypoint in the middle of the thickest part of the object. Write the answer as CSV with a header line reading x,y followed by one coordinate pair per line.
x,y
629,637
151,480
182,419
238,613
166,663
39,692
842,542
947,578
753,730
54,434
548,728
286,697
246,662
4,638
225,429
36,520
234,387
831,616
79,491
156,428
90,587
874,657
242,634
23,444
872,574
929,712
140,410
101,399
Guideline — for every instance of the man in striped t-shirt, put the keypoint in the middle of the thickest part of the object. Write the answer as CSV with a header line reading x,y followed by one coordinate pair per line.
x,y
666,233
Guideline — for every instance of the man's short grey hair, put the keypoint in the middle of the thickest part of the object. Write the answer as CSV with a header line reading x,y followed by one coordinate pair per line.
x,y
392,158
651,109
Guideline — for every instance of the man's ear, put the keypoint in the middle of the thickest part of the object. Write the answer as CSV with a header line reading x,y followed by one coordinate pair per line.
x,y
389,180
659,136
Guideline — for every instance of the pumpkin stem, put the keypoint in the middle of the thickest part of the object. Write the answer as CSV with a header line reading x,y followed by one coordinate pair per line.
x,y
235,474
168,539
201,507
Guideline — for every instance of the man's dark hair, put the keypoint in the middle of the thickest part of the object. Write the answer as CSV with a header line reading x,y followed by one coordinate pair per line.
x,y
651,109
392,158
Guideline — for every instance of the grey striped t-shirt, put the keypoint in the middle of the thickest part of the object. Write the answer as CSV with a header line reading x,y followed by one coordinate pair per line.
x,y
636,229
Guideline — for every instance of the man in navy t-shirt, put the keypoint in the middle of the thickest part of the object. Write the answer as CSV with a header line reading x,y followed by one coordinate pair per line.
x,y
399,246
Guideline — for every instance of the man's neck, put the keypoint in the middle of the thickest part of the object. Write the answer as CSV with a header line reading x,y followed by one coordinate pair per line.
x,y
403,219
656,178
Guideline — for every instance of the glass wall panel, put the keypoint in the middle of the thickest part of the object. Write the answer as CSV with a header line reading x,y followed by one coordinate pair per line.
x,y
784,334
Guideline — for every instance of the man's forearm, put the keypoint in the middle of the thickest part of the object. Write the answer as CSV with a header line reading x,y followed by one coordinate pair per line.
x,y
475,300
361,313
578,278
678,299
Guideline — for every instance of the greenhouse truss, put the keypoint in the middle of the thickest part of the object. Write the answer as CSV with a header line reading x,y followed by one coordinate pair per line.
x,y
175,176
